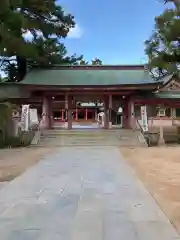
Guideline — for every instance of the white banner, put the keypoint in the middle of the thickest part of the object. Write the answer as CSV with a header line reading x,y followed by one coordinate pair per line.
x,y
25,118
144,118
33,116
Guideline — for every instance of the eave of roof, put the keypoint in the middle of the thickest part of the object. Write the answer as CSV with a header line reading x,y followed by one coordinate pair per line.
x,y
88,76
168,95
13,90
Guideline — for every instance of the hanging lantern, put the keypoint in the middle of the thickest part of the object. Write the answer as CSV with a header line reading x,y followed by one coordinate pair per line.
x,y
161,111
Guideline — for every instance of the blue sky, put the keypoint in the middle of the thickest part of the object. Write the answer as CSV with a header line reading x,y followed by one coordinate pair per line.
x,y
113,31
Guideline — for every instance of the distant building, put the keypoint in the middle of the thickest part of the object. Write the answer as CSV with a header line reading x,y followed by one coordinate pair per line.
x,y
79,93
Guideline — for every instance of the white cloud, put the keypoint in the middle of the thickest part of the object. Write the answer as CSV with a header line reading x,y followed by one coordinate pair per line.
x,y
75,32
28,36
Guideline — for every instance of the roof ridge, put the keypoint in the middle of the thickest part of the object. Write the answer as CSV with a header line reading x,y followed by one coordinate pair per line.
x,y
92,67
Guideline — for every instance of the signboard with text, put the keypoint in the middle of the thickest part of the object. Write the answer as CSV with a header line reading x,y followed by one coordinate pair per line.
x,y
25,118
144,118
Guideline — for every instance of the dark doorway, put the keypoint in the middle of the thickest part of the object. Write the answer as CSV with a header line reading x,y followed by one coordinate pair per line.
x,y
57,115
81,114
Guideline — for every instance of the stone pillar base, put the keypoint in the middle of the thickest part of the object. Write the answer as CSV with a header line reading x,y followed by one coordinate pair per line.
x,y
161,140
110,124
45,122
66,125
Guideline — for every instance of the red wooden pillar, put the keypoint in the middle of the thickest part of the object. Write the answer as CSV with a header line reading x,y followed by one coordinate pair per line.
x,y
131,114
128,113
106,112
110,111
76,117
62,114
69,112
50,115
86,114
68,107
45,112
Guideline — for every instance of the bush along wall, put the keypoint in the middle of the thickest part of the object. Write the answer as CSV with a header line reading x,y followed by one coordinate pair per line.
x,y
5,119
6,139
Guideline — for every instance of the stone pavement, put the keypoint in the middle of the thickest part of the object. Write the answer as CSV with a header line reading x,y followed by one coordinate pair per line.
x,y
82,193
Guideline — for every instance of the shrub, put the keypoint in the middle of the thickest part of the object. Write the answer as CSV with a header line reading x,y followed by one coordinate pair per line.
x,y
10,142
5,118
23,140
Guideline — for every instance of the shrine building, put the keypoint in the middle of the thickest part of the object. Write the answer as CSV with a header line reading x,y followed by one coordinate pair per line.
x,y
66,95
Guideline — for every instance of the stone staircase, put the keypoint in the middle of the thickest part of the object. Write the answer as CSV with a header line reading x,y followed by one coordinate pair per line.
x,y
89,137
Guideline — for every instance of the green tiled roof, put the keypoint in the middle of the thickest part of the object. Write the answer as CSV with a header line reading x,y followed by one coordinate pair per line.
x,y
12,90
168,95
88,77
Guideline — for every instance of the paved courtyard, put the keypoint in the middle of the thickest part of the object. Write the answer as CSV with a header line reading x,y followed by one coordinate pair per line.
x,y
81,193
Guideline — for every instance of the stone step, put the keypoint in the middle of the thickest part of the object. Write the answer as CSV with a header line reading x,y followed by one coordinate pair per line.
x,y
91,137
88,143
90,131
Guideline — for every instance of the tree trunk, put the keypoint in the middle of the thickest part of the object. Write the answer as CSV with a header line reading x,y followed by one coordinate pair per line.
x,y
22,67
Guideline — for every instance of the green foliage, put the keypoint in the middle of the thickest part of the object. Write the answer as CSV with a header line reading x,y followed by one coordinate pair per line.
x,y
175,2
10,142
83,62
3,79
6,140
96,61
23,140
5,117
26,138
163,47
46,21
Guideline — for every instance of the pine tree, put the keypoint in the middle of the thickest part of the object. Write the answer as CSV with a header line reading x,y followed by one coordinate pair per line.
x,y
175,2
163,48
83,62
46,21
96,61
